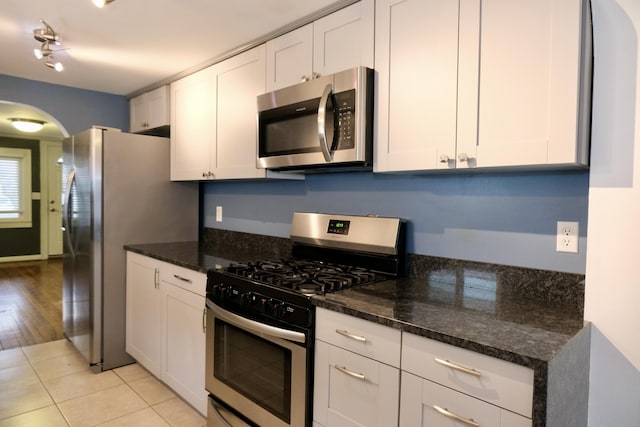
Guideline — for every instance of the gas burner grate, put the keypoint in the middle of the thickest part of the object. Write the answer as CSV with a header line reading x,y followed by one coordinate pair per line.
x,y
305,276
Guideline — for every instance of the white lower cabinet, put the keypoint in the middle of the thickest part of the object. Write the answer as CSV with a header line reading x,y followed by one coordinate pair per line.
x,y
165,324
351,389
359,366
143,311
425,403
444,385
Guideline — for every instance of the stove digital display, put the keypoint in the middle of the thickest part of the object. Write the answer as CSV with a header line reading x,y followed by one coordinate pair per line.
x,y
337,226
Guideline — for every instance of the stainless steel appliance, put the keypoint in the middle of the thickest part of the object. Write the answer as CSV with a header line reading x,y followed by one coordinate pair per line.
x,y
117,191
260,317
322,123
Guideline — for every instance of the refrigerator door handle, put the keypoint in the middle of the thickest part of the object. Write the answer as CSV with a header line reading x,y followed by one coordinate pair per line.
x,y
66,218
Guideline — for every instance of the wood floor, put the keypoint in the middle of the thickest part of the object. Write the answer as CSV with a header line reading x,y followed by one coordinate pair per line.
x,y
30,302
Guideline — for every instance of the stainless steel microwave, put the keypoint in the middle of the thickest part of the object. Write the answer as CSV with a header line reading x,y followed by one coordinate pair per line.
x,y
321,124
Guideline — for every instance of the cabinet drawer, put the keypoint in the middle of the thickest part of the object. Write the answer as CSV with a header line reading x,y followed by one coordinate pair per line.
x,y
360,336
184,278
502,383
425,403
353,390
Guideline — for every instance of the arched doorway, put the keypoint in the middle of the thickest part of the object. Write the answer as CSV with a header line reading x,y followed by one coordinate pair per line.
x,y
44,237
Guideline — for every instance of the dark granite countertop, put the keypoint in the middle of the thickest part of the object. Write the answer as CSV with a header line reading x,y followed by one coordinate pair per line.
x,y
478,314
499,324
184,254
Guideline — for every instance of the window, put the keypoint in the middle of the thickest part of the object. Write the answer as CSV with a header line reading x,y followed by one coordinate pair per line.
x,y
15,188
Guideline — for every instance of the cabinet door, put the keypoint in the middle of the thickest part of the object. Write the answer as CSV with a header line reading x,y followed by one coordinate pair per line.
x,y
158,106
183,335
341,398
239,81
143,311
138,113
528,112
193,127
424,403
149,110
344,39
416,51
289,58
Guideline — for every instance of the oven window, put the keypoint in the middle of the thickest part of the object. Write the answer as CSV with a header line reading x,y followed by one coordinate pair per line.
x,y
258,369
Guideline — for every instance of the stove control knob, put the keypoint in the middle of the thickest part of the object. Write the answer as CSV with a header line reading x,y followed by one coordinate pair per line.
x,y
229,292
283,310
219,290
249,299
270,305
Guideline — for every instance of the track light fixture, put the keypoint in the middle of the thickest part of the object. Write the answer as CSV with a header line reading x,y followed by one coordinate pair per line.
x,y
47,36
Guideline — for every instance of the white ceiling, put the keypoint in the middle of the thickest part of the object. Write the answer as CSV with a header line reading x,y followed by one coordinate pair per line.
x,y
130,45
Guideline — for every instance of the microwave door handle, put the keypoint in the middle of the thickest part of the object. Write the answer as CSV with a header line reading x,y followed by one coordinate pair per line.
x,y
322,123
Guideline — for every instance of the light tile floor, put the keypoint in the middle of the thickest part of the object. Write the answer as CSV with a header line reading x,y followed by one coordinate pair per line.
x,y
50,385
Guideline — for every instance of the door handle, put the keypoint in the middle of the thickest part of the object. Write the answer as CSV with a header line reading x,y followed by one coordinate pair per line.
x,y
322,123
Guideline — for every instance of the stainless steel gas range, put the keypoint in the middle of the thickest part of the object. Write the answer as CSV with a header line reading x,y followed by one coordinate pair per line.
x,y
260,316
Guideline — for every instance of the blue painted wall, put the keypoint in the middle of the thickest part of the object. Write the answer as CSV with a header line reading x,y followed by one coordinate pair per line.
x,y
75,109
499,218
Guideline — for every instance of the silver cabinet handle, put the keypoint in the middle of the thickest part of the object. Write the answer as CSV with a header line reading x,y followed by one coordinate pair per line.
x,y
156,278
204,319
457,367
446,413
184,279
350,335
344,370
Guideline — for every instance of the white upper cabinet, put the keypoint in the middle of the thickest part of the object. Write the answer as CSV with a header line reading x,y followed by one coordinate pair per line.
x,y
339,41
529,108
213,128
238,80
150,110
290,58
464,86
193,126
417,62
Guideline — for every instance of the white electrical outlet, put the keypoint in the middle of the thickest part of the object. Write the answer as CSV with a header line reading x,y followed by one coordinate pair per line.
x,y
567,237
218,213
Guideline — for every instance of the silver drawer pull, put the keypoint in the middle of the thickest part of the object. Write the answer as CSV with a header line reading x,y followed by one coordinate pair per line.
x,y
451,365
446,413
344,370
350,335
184,279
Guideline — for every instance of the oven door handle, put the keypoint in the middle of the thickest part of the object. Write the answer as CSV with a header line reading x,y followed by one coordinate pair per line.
x,y
256,327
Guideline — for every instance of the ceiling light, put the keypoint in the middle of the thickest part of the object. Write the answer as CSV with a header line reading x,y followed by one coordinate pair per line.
x,y
55,65
101,3
45,50
46,36
27,125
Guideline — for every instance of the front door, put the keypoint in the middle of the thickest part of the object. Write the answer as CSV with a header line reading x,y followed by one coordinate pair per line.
x,y
54,192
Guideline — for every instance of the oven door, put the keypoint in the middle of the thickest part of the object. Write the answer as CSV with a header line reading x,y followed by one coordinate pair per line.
x,y
257,369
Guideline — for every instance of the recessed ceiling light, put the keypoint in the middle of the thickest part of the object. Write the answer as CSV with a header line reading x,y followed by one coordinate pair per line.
x,y
27,125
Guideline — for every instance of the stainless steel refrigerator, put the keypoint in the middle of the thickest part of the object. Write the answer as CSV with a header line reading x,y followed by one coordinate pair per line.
x,y
117,191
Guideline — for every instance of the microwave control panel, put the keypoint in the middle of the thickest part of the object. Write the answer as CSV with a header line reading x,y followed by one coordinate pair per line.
x,y
345,105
